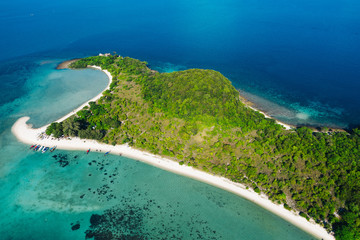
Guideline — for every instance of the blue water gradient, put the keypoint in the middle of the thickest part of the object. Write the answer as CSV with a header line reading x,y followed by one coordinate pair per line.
x,y
301,55
299,61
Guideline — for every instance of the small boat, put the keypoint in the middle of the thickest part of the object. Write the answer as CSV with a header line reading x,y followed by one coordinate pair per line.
x,y
45,149
106,153
36,147
87,152
52,149
41,148
32,146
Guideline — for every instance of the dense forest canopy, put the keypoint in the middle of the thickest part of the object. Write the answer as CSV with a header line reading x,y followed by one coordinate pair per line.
x,y
196,117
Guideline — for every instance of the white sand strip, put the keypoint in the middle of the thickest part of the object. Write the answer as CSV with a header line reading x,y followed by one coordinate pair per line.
x,y
286,126
28,135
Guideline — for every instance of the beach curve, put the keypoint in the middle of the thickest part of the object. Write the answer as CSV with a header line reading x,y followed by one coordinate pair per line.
x,y
26,134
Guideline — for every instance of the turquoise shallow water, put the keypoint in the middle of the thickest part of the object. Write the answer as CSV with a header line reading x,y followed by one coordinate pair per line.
x,y
45,198
44,195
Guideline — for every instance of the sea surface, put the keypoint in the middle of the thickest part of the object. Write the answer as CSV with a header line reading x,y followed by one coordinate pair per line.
x,y
299,61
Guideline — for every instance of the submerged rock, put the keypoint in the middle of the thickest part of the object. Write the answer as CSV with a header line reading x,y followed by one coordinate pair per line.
x,y
75,227
95,219
62,159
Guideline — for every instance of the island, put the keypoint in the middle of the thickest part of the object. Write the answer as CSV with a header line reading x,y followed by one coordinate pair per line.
x,y
194,123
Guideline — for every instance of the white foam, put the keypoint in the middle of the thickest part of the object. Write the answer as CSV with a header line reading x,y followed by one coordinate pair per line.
x,y
302,116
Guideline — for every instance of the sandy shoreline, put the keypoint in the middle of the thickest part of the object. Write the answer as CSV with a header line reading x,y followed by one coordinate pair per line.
x,y
66,64
286,126
250,104
28,135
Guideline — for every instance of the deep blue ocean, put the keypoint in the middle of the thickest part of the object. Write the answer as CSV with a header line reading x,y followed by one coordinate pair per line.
x,y
299,61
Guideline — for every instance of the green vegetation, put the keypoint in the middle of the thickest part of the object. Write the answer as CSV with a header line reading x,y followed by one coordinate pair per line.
x,y
196,118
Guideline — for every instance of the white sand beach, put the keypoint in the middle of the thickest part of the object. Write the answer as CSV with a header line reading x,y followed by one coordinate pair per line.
x,y
26,134
286,126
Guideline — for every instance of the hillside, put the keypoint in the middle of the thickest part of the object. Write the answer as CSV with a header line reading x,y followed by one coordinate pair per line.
x,y
196,118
